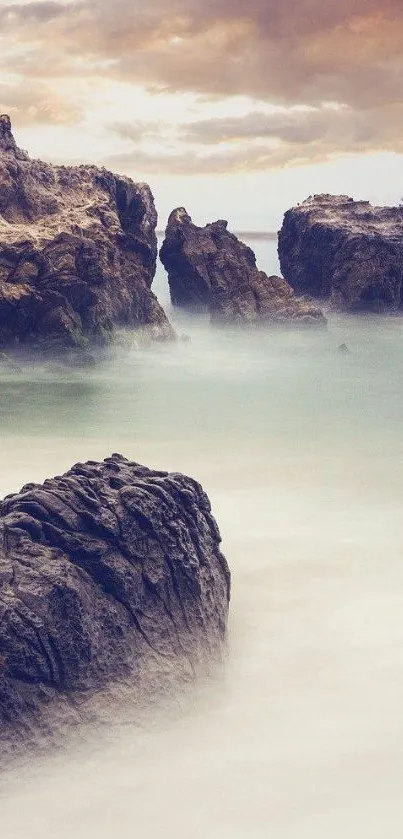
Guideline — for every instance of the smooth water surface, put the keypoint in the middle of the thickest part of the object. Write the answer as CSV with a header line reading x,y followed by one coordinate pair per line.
x,y
300,448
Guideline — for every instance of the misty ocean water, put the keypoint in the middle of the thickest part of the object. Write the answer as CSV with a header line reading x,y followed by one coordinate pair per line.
x,y
300,449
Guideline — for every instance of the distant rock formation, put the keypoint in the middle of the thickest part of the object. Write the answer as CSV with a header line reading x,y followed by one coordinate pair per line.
x,y
210,269
109,575
77,253
347,251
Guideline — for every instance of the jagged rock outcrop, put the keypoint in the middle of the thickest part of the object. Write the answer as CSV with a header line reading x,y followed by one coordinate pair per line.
x,y
210,269
348,251
109,574
77,253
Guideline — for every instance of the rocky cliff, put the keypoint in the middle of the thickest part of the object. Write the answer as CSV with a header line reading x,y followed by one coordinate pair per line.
x,y
77,253
348,251
210,269
109,574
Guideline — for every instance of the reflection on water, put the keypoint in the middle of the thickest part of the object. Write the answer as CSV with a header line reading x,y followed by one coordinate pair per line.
x,y
300,449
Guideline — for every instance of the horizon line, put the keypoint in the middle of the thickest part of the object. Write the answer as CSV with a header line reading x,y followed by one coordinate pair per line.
x,y
246,234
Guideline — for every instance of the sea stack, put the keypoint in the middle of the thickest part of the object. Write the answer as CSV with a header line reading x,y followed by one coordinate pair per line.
x,y
78,252
344,251
210,269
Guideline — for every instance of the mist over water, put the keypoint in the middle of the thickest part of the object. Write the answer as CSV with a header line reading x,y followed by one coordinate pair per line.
x,y
300,449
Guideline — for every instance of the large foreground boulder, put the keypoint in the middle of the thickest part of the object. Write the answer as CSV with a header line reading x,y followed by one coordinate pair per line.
x,y
77,253
347,251
210,269
109,574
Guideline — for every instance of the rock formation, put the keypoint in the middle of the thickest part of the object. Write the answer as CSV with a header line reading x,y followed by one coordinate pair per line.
x,y
111,573
210,269
77,253
348,251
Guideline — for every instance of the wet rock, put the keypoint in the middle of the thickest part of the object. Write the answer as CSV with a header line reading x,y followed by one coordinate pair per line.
x,y
79,359
78,252
7,142
111,578
210,269
7,363
346,251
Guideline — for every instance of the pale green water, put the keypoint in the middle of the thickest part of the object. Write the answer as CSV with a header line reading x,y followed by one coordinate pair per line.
x,y
300,448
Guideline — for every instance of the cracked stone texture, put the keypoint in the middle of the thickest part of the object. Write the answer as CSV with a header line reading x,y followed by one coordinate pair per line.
x,y
111,573
347,251
78,252
210,269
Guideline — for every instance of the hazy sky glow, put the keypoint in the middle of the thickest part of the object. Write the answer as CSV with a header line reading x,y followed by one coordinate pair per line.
x,y
236,108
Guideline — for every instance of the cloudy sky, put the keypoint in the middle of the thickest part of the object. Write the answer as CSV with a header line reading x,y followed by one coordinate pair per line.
x,y
234,108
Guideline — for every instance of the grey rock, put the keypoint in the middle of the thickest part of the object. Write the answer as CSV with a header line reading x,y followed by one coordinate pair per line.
x,y
346,251
210,269
78,252
109,575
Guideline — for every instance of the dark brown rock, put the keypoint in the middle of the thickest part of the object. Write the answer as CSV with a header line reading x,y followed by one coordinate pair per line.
x,y
109,574
209,268
77,253
346,251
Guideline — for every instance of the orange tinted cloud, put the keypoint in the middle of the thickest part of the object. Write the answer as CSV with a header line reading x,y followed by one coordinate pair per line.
x,y
29,102
298,50
290,53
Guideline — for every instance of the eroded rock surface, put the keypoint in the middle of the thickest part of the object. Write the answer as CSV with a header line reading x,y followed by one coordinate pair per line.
x,y
348,251
111,573
78,251
209,268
